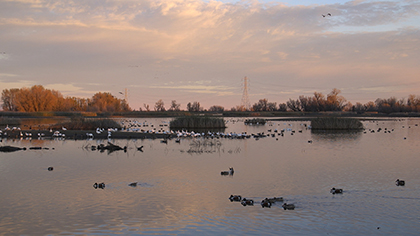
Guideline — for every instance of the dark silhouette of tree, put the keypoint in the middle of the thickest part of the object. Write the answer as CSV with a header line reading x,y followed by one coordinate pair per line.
x,y
294,105
146,106
160,106
216,108
261,105
175,106
194,107
282,107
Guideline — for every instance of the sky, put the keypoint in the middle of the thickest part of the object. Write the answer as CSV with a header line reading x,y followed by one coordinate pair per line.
x,y
195,50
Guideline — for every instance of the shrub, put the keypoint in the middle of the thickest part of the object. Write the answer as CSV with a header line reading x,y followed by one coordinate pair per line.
x,y
255,121
197,122
80,123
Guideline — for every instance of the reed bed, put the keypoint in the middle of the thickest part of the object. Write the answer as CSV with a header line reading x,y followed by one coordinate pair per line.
x,y
80,123
197,122
255,121
335,123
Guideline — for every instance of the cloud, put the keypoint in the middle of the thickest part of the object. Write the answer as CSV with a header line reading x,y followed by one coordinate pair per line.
x,y
158,45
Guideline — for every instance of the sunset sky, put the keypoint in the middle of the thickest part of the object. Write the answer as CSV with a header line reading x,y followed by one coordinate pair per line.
x,y
195,50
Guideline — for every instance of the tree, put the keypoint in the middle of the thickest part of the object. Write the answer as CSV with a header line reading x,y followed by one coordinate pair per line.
x,y
175,106
160,106
194,107
9,97
261,105
105,102
146,106
293,105
282,107
216,108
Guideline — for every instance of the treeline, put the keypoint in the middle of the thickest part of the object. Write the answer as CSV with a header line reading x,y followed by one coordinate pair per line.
x,y
335,102
37,98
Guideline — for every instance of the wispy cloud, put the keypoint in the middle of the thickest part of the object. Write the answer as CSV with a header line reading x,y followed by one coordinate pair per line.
x,y
169,42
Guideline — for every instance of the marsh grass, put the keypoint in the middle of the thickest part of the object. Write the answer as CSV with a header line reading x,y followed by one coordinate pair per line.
x,y
197,122
255,121
335,123
80,123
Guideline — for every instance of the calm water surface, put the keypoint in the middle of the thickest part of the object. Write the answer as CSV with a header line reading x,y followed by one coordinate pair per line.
x,y
181,192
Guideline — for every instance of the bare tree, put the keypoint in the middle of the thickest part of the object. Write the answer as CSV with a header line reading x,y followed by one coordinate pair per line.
x,y
160,106
175,106
216,108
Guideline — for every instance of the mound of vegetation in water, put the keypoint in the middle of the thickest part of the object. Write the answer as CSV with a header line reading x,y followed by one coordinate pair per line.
x,y
255,121
335,123
80,123
197,122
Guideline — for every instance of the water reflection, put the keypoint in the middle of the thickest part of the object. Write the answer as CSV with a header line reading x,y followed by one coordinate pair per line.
x,y
180,192
336,135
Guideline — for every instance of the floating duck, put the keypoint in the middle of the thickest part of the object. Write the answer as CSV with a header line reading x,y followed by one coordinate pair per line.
x,y
288,206
50,168
247,202
274,199
100,185
228,172
336,190
236,198
399,182
265,203
134,184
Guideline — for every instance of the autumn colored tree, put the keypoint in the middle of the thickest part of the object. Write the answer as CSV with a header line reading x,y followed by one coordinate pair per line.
x,y
106,102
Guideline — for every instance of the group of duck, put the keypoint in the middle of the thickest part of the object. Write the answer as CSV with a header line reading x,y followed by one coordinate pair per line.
x,y
266,202
102,185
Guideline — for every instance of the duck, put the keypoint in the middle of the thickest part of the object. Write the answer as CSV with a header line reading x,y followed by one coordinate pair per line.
x,y
100,185
287,206
236,198
336,190
265,203
399,182
134,184
246,202
274,199
228,172
50,168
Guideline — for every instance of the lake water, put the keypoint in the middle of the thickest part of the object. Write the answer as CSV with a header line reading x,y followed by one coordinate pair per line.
x,y
181,191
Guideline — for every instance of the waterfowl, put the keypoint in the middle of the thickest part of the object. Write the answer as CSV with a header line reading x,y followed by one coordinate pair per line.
x,y
228,172
246,202
50,168
236,198
399,182
100,185
134,184
336,190
265,203
288,206
274,199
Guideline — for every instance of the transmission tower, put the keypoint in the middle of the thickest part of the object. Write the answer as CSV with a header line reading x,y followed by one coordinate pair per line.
x,y
126,95
245,99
